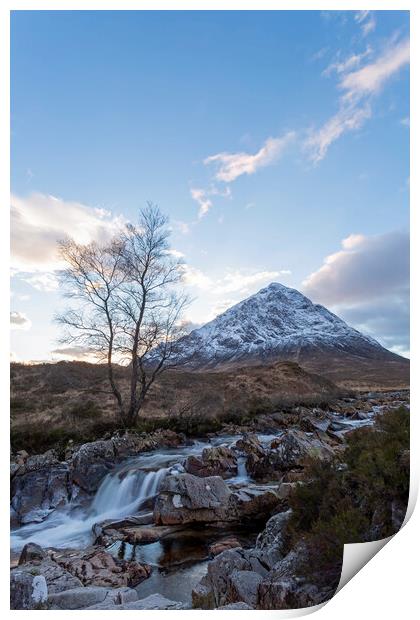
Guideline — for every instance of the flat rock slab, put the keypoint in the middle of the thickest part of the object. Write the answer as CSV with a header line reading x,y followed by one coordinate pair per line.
x,y
80,598
154,601
144,535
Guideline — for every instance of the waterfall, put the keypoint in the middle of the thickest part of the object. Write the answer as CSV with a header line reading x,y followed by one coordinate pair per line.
x,y
120,494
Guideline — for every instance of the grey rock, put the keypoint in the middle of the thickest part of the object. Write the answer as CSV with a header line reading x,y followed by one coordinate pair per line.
x,y
27,591
58,579
38,491
243,587
91,463
188,499
235,606
80,598
154,601
271,541
214,461
32,552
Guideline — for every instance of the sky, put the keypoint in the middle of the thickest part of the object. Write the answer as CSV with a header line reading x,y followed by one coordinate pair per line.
x,y
277,142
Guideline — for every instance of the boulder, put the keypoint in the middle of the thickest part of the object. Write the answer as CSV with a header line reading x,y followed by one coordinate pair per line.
x,y
243,587
145,534
288,451
27,591
271,542
80,598
216,461
32,552
91,463
57,578
97,567
39,490
225,583
189,499
255,501
154,601
223,545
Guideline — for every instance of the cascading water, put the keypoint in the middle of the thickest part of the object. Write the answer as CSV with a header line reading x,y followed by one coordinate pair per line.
x,y
121,494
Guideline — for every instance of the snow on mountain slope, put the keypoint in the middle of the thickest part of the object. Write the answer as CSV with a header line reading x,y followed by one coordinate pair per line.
x,y
276,323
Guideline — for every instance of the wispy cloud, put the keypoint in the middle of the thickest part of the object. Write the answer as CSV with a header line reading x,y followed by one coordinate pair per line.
x,y
370,79
349,63
199,195
19,320
358,87
367,21
46,282
230,166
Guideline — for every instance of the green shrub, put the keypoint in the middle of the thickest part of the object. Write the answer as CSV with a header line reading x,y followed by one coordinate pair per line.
x,y
350,501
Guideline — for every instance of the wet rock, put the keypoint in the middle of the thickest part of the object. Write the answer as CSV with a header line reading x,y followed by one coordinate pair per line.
x,y
91,463
38,491
32,552
189,499
143,535
96,567
27,591
223,545
80,598
216,461
110,531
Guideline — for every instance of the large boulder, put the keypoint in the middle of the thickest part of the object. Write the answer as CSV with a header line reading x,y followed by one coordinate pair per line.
x,y
97,567
91,463
225,582
215,461
27,591
39,488
80,598
188,499
288,451
255,501
57,578
272,541
32,552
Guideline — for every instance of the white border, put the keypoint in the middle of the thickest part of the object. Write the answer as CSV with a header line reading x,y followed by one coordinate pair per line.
x,y
397,566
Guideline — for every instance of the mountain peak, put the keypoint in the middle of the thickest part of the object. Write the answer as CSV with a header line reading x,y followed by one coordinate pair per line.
x,y
277,322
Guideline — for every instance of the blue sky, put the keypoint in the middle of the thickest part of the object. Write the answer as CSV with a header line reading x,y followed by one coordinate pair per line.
x,y
273,140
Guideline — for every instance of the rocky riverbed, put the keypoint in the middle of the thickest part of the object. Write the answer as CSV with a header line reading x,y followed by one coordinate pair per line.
x,y
162,522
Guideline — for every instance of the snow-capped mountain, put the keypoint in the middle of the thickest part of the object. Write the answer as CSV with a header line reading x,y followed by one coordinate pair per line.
x,y
276,323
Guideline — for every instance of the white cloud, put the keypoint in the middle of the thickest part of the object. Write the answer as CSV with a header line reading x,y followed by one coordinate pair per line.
x,y
346,119
367,21
367,283
349,63
200,196
230,166
196,278
46,282
19,320
240,282
358,87
370,79
38,221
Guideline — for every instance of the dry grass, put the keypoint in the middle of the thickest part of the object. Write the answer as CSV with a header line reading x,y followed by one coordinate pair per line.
x,y
72,399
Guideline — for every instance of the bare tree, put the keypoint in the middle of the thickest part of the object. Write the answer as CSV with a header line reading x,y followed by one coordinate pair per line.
x,y
126,306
